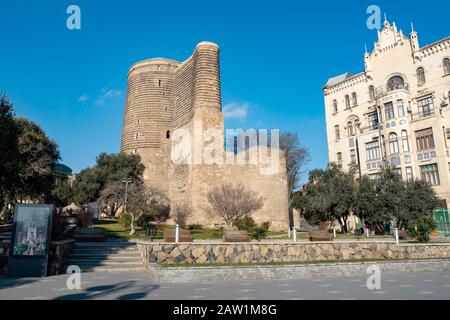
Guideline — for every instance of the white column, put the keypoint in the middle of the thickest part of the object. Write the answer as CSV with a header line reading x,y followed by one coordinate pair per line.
x,y
294,234
397,239
177,233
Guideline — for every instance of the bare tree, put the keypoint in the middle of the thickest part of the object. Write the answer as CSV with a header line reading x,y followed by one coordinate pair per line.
x,y
296,158
140,200
181,213
233,203
112,198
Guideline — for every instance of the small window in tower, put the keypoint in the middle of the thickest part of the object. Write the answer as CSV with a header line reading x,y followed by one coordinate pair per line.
x,y
158,67
135,151
138,120
136,136
168,134
159,83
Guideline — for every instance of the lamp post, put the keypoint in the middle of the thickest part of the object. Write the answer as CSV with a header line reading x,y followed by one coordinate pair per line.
x,y
126,181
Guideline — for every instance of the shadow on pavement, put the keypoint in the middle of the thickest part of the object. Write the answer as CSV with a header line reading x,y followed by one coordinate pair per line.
x,y
112,292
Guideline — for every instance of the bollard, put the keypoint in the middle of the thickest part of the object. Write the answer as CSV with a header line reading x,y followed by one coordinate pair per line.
x,y
177,233
334,232
397,240
294,234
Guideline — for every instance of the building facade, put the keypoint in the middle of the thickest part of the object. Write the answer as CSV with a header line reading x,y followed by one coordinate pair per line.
x,y
169,100
396,110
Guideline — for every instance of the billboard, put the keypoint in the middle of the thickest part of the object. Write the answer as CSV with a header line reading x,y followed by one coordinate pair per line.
x,y
30,240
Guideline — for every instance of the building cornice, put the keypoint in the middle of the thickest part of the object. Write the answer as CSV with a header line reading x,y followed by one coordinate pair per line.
x,y
434,48
348,83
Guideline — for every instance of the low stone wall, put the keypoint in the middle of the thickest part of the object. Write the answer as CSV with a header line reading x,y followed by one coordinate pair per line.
x,y
260,252
177,274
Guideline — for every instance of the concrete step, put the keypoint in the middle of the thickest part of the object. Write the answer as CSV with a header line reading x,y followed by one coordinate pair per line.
x,y
104,251
107,244
109,256
82,262
112,268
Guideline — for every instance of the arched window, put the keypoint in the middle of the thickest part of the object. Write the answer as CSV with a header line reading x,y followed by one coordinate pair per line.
x,y
393,143
168,134
405,141
395,83
446,66
371,93
350,130
354,99
420,75
347,101
335,106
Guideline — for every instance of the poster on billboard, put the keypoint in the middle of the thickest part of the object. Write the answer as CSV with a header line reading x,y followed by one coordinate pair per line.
x,y
30,240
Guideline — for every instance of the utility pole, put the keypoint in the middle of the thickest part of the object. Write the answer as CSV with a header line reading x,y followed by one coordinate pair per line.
x,y
126,181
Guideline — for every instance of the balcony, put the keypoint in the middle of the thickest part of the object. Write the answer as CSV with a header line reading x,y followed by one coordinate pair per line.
x,y
387,89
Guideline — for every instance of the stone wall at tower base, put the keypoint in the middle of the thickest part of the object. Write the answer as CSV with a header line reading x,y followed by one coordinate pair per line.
x,y
267,252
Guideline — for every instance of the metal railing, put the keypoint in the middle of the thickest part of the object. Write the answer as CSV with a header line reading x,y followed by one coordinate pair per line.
x,y
385,90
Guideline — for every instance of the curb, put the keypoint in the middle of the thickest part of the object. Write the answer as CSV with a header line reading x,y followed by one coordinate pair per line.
x,y
288,272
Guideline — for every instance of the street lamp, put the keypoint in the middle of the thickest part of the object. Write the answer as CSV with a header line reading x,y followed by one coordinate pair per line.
x,y
126,181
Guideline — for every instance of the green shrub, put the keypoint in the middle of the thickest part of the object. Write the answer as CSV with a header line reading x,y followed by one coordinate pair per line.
x,y
421,228
260,232
246,223
195,227
125,220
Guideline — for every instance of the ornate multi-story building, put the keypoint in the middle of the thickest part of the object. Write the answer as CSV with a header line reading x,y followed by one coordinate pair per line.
x,y
169,100
397,110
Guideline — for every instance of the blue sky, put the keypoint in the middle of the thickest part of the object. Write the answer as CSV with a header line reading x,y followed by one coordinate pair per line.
x,y
275,58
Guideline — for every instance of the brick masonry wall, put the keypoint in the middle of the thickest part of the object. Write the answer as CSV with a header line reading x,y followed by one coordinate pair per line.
x,y
260,252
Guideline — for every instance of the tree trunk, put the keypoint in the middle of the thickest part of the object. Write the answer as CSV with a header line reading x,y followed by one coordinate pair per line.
x,y
132,231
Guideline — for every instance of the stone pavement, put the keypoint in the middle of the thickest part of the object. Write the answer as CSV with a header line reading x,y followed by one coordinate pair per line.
x,y
131,286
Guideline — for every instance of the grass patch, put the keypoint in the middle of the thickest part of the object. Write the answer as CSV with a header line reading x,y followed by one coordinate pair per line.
x,y
207,234
113,229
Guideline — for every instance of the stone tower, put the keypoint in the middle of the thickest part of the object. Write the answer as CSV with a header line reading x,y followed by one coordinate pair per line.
x,y
165,97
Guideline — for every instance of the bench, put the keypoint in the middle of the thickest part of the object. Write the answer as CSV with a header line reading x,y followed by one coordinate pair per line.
x,y
321,235
403,235
236,236
185,235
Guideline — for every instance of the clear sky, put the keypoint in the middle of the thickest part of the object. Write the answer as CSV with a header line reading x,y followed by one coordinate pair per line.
x,y
275,58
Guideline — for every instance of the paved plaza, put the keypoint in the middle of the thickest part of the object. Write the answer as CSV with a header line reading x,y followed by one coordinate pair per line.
x,y
133,286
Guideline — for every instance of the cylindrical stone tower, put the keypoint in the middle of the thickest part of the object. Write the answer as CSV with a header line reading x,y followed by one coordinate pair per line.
x,y
207,76
146,126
